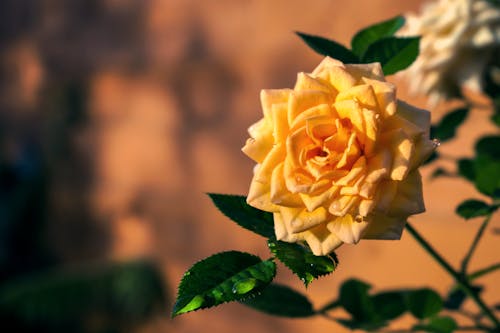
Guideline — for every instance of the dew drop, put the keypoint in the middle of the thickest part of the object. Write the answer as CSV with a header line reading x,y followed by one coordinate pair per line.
x,y
359,218
436,143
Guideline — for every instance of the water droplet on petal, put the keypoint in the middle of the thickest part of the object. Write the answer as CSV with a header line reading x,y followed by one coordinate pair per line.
x,y
359,218
436,143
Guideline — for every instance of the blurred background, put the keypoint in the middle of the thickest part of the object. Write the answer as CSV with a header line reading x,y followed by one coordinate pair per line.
x,y
117,116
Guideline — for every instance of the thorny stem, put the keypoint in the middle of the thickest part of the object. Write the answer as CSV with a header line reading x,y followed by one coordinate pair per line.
x,y
459,279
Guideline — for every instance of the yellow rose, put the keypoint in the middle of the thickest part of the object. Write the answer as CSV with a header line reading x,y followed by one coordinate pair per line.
x,y
337,157
458,40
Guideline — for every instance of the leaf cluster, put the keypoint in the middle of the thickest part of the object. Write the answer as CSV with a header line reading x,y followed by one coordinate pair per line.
x,y
374,311
239,276
375,43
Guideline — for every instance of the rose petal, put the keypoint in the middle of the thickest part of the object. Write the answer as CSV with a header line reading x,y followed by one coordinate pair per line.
x,y
300,101
346,229
419,117
326,63
363,94
384,227
340,206
385,194
280,122
408,199
401,148
280,195
299,219
339,78
260,198
307,82
261,141
356,170
370,71
385,93
273,158
268,97
314,201
320,240
281,231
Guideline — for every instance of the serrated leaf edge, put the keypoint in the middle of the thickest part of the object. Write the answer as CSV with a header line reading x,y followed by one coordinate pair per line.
x,y
250,293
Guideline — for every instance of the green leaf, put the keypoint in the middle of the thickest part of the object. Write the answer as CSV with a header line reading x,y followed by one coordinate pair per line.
x,y
495,118
473,208
466,169
236,208
393,53
447,127
329,48
455,299
390,304
223,277
487,166
279,300
489,146
487,175
442,324
423,303
364,38
370,312
302,262
355,300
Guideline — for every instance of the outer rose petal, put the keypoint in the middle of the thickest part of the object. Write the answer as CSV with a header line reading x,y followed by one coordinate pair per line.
x,y
261,141
321,240
299,219
346,229
408,199
260,198
385,227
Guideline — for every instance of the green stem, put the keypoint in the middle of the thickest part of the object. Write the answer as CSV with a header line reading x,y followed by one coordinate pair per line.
x,y
473,246
459,279
483,271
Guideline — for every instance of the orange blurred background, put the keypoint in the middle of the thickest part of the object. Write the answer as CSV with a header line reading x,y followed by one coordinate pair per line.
x,y
141,107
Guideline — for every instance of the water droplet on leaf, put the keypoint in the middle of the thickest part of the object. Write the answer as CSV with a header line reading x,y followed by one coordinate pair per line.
x,y
244,286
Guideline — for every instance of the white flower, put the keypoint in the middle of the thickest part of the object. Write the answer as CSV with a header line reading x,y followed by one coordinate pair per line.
x,y
458,40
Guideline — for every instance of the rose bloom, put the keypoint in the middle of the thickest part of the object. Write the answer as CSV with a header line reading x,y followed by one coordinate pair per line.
x,y
337,157
458,42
